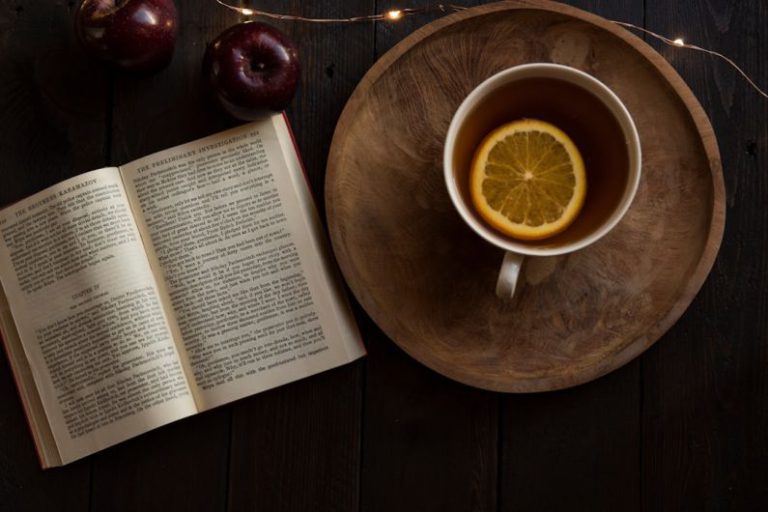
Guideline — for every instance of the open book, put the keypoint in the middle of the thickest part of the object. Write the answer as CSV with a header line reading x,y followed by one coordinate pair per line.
x,y
138,295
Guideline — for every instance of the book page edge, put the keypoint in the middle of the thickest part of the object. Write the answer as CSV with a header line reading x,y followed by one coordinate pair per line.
x,y
37,420
353,342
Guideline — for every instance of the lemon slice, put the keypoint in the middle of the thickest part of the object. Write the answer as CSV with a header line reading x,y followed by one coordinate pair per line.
x,y
528,180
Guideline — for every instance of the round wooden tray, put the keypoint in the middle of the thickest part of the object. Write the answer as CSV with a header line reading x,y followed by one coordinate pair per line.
x,y
428,281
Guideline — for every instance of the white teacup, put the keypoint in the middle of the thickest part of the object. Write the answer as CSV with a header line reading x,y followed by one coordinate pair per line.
x,y
594,118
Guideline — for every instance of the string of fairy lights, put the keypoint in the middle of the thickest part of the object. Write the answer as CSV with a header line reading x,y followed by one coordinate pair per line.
x,y
390,15
393,15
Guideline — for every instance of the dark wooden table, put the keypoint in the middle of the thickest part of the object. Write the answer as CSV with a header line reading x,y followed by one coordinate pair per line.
x,y
684,427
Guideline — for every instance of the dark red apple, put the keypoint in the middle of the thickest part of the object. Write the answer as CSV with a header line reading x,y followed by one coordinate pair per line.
x,y
252,69
136,35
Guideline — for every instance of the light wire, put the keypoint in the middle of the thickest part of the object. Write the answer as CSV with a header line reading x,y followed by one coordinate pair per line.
x,y
397,14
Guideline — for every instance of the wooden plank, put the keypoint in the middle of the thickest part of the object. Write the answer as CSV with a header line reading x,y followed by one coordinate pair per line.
x,y
23,485
184,465
334,59
298,447
576,449
428,443
52,115
706,386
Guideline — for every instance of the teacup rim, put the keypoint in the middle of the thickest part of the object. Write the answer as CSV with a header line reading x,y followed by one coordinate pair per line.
x,y
617,109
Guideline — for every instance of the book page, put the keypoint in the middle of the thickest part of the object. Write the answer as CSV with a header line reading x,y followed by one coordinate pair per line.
x,y
89,316
254,300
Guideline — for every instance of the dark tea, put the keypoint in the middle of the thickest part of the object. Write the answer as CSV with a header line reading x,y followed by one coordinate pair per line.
x,y
582,116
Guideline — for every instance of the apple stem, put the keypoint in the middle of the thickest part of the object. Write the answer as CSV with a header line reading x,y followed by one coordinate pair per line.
x,y
258,65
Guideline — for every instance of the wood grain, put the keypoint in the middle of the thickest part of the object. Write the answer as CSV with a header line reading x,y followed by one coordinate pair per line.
x,y
581,441
298,447
183,465
51,127
700,395
574,449
706,384
445,434
433,440
429,283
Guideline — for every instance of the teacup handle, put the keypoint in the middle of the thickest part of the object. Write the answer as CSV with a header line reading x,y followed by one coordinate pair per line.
x,y
506,286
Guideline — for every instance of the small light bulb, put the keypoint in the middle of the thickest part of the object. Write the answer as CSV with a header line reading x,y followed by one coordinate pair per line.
x,y
395,14
679,42
246,12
